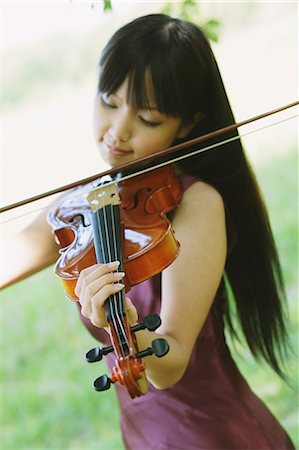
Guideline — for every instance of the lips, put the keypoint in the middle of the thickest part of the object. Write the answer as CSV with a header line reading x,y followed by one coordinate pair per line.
x,y
115,151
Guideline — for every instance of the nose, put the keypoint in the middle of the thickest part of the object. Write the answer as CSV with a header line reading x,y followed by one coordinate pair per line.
x,y
120,130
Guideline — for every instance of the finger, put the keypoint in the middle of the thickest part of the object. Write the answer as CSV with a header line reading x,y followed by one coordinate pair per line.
x,y
94,287
98,319
97,315
82,275
92,273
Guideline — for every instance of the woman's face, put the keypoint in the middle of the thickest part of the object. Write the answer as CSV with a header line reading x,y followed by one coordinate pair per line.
x,y
124,134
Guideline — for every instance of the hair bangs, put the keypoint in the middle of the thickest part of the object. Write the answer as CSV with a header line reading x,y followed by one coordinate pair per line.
x,y
152,84
112,72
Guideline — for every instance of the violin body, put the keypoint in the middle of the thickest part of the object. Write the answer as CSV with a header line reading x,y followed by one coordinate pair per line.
x,y
148,241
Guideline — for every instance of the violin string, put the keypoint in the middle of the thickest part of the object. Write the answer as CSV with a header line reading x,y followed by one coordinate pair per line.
x,y
105,256
119,295
105,249
112,300
100,229
172,161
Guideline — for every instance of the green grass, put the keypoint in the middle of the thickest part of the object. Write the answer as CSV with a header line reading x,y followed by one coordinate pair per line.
x,y
47,398
47,395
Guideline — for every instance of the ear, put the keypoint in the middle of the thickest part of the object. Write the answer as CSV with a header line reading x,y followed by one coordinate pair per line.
x,y
185,129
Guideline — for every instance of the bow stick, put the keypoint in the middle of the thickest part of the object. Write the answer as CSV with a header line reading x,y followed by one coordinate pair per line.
x,y
147,159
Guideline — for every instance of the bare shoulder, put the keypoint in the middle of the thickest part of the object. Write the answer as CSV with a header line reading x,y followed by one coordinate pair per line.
x,y
199,222
203,192
203,201
200,227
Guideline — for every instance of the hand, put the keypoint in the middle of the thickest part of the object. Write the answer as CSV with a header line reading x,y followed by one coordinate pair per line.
x,y
95,284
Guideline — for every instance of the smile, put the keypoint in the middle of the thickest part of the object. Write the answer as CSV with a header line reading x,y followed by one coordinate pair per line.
x,y
118,152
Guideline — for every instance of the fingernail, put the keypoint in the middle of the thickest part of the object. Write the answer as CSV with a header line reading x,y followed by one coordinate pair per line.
x,y
114,264
119,275
119,286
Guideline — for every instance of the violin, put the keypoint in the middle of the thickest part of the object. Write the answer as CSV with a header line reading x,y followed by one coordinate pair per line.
x,y
125,222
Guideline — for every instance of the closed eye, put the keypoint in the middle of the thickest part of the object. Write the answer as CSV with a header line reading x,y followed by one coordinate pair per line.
x,y
106,104
149,123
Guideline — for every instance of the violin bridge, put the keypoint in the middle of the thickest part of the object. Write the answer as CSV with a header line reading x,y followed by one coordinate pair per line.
x,y
103,196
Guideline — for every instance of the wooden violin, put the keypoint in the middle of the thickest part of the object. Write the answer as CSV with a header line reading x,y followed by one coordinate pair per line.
x,y
123,222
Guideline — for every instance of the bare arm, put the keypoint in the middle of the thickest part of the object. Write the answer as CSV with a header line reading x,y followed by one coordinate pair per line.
x,y
27,252
189,285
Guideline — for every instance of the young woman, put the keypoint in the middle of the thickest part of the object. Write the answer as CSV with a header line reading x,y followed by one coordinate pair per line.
x,y
159,85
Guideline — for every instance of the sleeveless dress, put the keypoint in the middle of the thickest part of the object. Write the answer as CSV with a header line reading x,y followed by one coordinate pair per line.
x,y
211,407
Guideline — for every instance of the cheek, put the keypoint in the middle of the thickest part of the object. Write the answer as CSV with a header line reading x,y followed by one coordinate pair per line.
x,y
160,141
99,124
155,140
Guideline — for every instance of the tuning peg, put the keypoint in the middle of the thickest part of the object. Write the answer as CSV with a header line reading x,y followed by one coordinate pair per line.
x,y
159,348
96,354
102,383
150,322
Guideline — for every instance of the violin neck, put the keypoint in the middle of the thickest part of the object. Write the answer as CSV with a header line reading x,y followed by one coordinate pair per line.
x,y
107,233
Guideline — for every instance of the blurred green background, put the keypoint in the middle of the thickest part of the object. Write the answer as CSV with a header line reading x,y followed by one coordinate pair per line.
x,y
49,81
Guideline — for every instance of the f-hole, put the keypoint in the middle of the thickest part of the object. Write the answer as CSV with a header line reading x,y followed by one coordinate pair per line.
x,y
136,198
82,218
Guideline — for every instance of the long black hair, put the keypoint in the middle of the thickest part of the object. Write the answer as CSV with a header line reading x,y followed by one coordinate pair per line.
x,y
186,80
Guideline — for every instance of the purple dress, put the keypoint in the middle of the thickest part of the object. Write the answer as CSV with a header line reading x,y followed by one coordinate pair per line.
x,y
210,408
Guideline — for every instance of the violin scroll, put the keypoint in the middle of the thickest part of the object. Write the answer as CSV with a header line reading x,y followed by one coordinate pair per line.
x,y
123,372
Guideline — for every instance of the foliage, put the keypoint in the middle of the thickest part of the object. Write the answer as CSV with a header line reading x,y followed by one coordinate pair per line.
x,y
107,5
187,10
190,10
